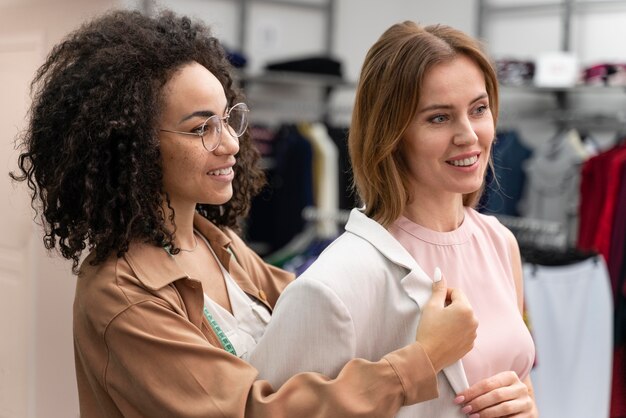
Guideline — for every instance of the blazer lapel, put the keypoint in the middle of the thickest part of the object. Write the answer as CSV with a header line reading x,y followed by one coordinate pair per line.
x,y
419,288
416,283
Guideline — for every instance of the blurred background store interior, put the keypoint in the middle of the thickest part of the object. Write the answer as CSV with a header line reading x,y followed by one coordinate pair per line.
x,y
562,67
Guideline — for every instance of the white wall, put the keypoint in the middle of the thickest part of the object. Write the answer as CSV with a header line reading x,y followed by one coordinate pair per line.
x,y
36,290
19,56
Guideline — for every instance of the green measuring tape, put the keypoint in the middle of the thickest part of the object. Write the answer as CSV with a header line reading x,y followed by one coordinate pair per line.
x,y
220,334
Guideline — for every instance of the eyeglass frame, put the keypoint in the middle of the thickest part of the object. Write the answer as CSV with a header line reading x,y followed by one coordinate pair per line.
x,y
223,121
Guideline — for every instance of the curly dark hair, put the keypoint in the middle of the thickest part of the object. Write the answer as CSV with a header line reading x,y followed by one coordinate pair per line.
x,y
91,151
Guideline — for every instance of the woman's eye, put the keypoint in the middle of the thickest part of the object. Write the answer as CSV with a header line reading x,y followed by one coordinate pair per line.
x,y
438,119
200,130
482,109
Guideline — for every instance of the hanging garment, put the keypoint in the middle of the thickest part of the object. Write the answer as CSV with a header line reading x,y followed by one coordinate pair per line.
x,y
276,213
618,398
617,255
553,181
602,209
325,176
600,183
502,193
571,312
347,196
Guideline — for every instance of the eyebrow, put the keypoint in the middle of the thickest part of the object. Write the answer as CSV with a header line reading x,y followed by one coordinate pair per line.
x,y
200,113
443,106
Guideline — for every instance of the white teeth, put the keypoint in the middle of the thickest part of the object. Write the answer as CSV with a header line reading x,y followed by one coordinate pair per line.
x,y
465,162
221,171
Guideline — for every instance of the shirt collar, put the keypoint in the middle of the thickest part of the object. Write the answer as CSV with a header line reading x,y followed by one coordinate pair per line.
x,y
156,268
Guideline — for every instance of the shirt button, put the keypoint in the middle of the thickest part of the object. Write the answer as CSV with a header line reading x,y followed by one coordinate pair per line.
x,y
262,295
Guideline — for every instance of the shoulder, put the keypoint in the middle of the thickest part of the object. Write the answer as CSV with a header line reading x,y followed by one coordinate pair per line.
x,y
98,298
98,285
489,221
351,263
501,239
105,290
497,226
350,253
491,225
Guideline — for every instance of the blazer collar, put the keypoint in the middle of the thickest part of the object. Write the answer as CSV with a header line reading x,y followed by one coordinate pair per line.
x,y
416,283
373,232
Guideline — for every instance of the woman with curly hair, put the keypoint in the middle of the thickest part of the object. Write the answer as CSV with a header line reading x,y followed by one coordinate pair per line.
x,y
137,153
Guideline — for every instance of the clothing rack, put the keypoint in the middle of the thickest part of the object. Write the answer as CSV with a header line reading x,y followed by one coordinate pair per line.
x,y
313,214
572,116
306,166
310,236
536,232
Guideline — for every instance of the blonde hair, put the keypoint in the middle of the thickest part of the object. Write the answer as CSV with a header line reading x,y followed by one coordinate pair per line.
x,y
386,102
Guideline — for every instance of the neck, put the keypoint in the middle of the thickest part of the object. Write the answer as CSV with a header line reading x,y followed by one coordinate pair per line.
x,y
443,215
183,229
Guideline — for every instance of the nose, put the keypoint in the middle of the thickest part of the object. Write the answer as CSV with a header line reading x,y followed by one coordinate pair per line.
x,y
465,133
229,143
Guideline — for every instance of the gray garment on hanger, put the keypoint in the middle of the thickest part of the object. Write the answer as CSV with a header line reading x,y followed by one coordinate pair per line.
x,y
552,191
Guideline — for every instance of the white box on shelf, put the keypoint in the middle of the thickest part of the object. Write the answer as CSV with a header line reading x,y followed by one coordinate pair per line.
x,y
556,69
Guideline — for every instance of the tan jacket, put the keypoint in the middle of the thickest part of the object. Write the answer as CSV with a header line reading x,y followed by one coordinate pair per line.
x,y
144,349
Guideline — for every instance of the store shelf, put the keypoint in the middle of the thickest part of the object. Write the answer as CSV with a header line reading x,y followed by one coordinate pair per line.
x,y
295,78
582,89
294,4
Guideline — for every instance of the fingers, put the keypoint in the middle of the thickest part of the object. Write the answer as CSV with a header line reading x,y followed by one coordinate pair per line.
x,y
521,407
490,384
446,332
458,295
442,295
500,395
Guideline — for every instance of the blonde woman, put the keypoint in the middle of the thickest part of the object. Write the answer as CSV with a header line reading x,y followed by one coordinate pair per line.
x,y
420,140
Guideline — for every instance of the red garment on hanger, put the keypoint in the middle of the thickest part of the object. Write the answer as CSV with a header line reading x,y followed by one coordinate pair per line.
x,y
599,193
598,198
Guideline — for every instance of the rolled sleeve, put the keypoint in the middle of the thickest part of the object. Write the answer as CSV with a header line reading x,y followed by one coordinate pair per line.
x,y
415,372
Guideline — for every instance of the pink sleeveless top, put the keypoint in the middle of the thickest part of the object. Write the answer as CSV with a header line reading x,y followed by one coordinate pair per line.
x,y
476,258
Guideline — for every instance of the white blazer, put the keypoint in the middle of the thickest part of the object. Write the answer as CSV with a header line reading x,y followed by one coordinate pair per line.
x,y
360,299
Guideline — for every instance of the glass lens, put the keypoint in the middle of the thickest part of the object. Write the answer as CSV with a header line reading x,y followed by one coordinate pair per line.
x,y
212,129
238,119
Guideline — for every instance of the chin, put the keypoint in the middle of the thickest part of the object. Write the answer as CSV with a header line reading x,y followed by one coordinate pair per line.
x,y
469,189
217,200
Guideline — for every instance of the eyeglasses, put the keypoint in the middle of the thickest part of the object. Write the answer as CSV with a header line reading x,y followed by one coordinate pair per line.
x,y
235,121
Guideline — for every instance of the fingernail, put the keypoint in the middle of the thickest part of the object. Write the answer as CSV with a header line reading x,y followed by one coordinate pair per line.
x,y
437,274
474,416
459,399
467,409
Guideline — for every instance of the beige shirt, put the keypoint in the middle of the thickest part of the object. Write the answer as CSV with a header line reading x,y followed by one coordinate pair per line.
x,y
144,349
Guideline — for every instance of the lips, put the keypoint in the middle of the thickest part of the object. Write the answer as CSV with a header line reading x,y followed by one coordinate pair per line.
x,y
464,162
